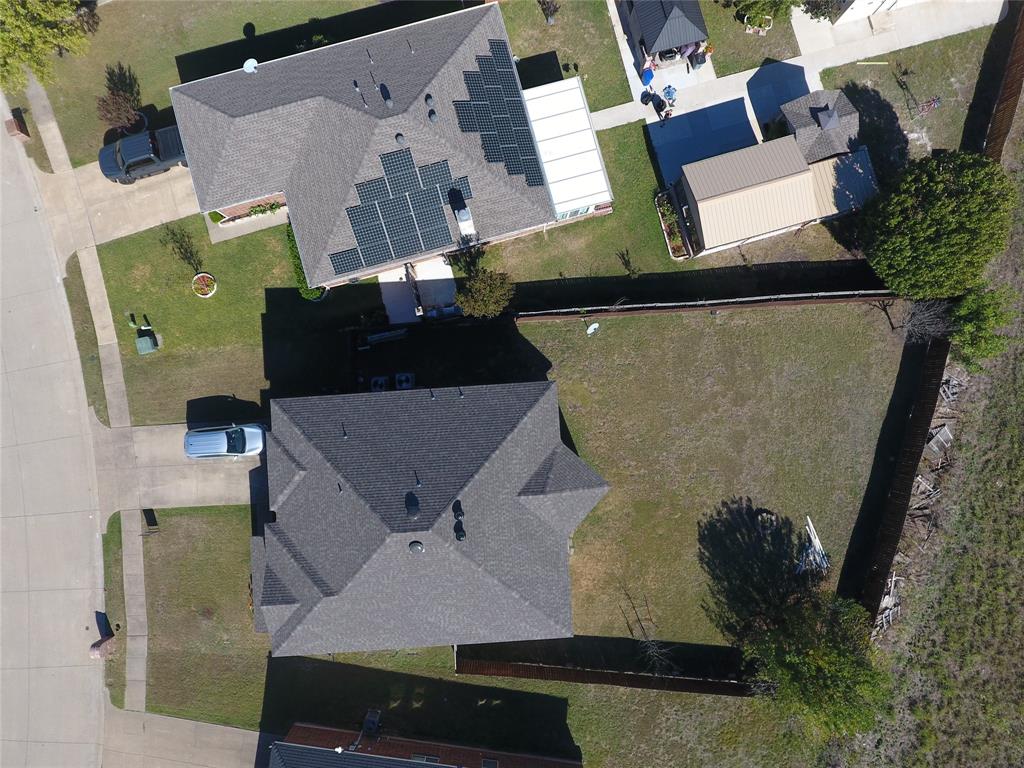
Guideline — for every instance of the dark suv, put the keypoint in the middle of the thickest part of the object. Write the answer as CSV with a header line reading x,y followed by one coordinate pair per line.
x,y
144,154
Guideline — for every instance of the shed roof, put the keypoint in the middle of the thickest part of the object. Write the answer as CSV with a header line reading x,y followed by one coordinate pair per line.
x,y
844,183
825,123
354,479
317,126
665,24
745,168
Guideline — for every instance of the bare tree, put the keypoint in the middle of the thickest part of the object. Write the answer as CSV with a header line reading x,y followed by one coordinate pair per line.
x,y
928,320
119,106
656,653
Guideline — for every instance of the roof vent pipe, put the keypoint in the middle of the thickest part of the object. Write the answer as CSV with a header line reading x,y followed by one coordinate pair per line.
x,y
416,546
432,116
250,66
429,99
400,139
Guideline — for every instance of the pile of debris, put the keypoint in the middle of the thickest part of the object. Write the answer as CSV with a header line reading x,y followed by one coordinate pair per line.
x,y
926,494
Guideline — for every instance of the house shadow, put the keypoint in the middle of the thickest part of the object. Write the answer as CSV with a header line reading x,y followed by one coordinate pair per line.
x,y
857,562
774,84
276,44
697,135
767,279
302,689
880,131
539,69
220,409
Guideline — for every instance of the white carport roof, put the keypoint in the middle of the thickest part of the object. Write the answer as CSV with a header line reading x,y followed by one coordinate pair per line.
x,y
568,147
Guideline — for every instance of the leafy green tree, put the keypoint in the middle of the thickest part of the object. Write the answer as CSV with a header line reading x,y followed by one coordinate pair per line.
x,y
977,318
932,234
486,293
31,31
817,662
821,9
756,9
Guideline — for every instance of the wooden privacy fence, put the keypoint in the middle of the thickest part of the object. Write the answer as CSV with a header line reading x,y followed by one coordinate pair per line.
x,y
1009,89
621,661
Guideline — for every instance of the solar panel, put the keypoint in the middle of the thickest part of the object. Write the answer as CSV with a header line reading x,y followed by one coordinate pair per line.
x,y
466,116
475,86
462,184
496,111
436,237
501,54
405,240
534,177
373,190
517,113
426,208
374,253
524,140
435,174
363,217
398,162
496,101
404,182
488,70
346,261
509,86
492,147
484,118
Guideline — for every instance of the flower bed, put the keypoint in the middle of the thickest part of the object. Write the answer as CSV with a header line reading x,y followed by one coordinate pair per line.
x,y
204,285
670,226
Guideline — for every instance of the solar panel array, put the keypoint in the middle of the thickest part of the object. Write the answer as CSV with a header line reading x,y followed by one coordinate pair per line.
x,y
496,111
400,213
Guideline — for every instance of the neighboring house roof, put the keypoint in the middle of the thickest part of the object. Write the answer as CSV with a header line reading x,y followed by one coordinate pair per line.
x,y
284,755
825,124
354,480
665,24
358,195
302,739
769,187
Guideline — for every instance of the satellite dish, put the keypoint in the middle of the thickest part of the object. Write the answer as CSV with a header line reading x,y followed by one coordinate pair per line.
x,y
592,328
250,65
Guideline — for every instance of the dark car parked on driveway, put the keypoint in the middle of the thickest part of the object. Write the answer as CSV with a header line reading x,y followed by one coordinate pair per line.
x,y
144,154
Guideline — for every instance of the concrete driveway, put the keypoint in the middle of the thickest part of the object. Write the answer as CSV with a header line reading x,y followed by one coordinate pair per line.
x,y
111,210
140,467
51,585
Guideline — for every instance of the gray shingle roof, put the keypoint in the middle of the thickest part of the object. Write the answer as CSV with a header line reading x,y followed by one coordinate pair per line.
x,y
824,123
299,126
665,24
353,479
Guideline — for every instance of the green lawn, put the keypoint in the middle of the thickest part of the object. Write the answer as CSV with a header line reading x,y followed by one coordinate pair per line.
x,y
85,339
891,125
582,37
113,586
677,412
588,248
735,50
220,345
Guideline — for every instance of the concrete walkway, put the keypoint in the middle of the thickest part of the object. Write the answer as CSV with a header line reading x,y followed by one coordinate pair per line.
x,y
822,48
136,618
137,740
51,585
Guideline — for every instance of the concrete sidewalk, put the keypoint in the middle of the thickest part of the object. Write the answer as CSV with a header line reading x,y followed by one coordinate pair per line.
x,y
135,739
51,586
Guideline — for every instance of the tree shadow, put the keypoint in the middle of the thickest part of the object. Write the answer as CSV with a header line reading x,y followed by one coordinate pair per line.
x,y
990,78
750,556
226,57
300,689
880,131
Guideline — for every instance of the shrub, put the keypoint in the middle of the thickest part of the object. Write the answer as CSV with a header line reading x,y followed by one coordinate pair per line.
x,y
825,10
932,234
485,293
977,317
310,294
756,9
256,210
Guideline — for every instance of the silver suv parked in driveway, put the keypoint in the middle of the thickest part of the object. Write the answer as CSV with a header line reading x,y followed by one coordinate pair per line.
x,y
231,441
